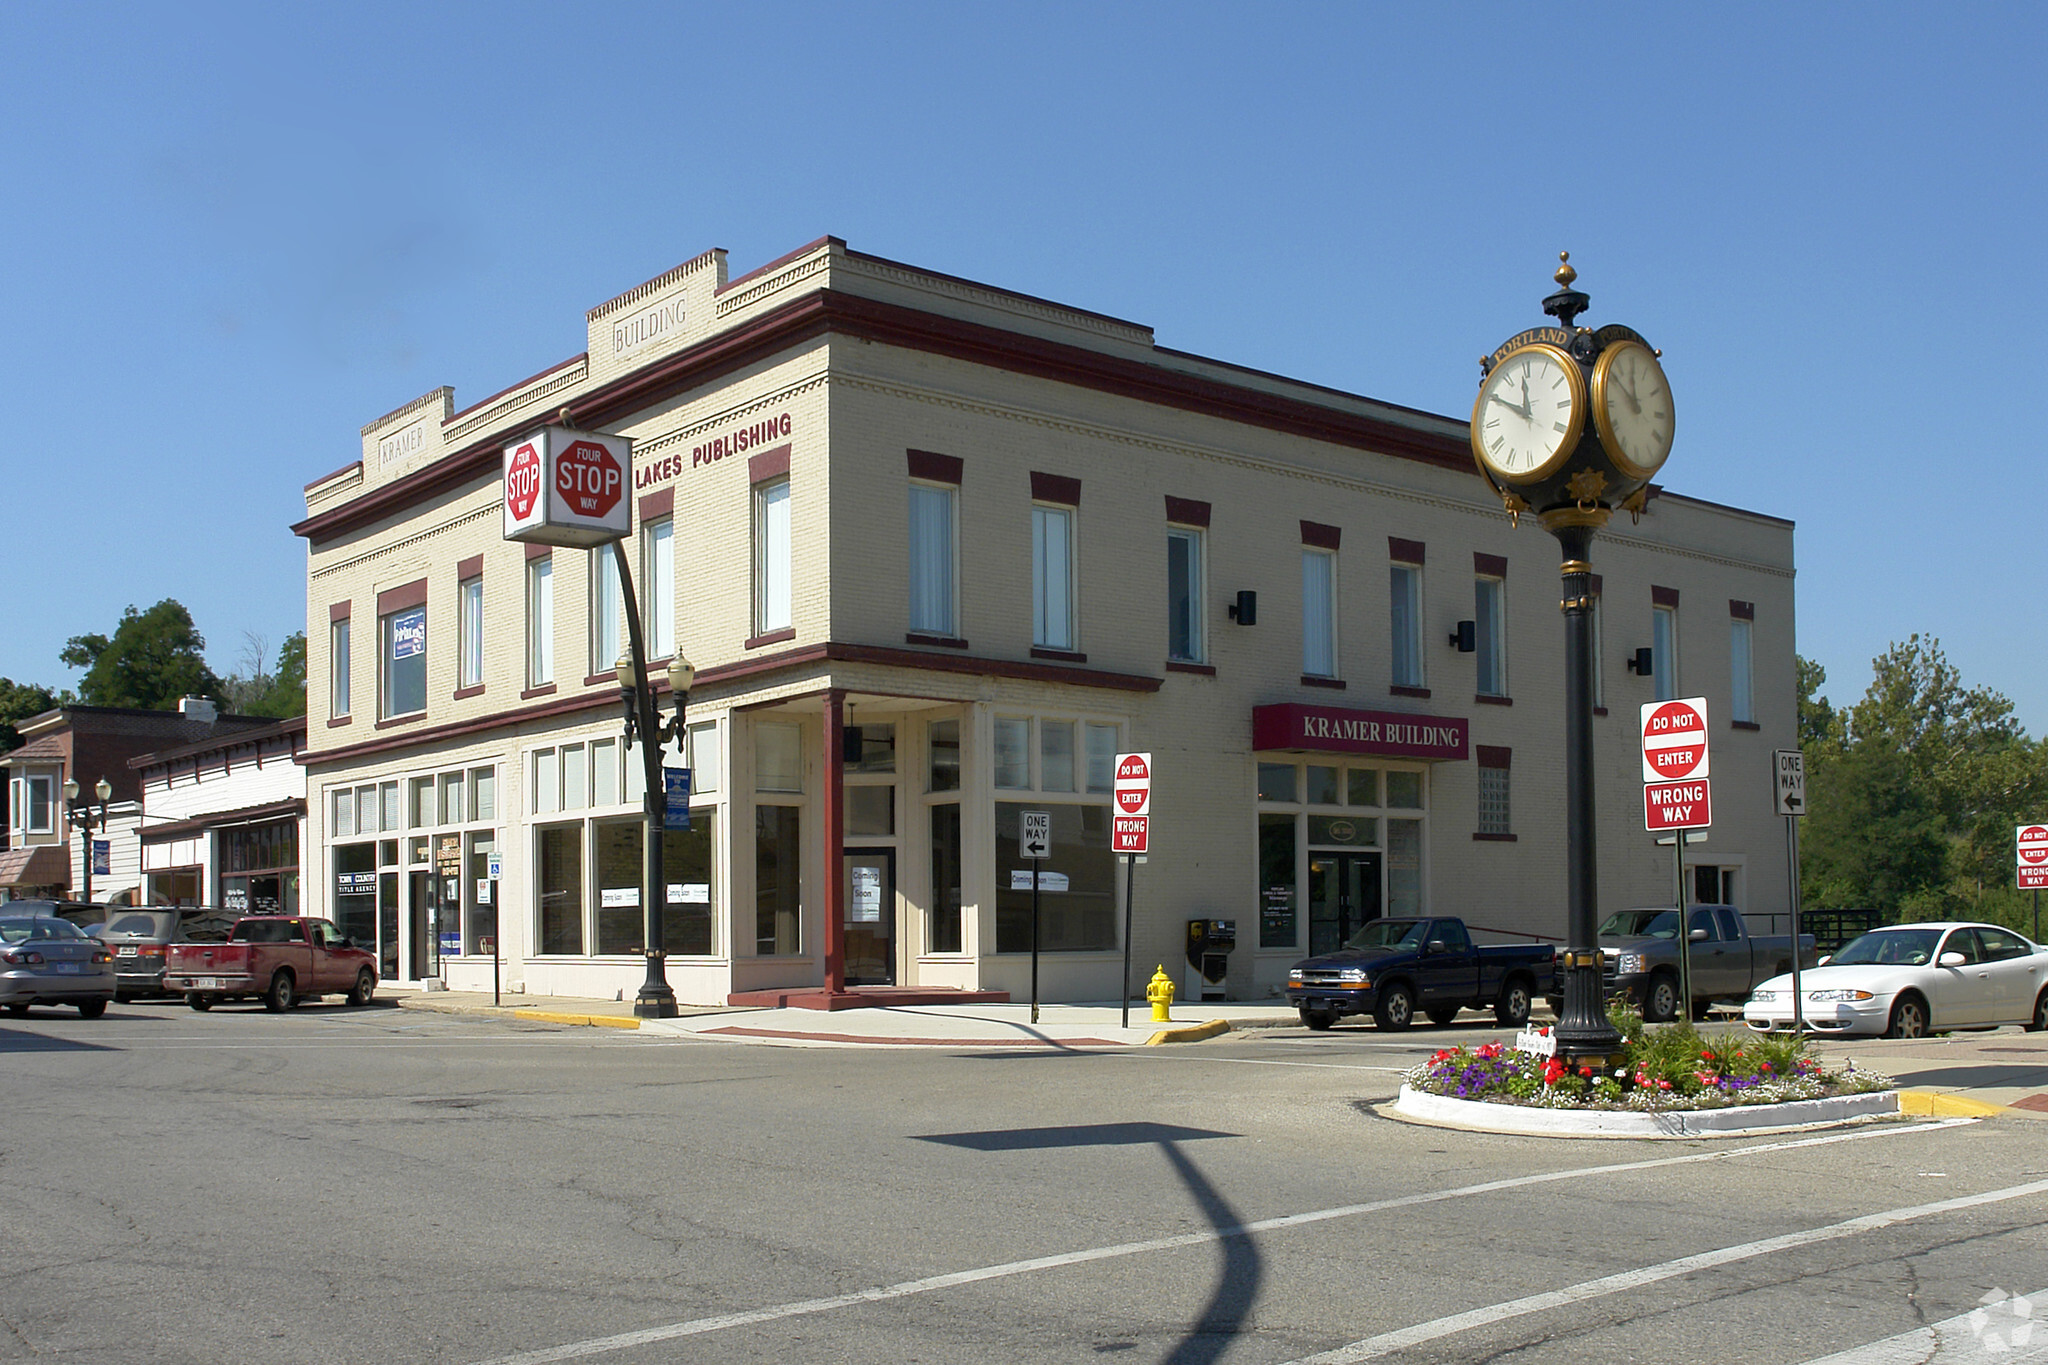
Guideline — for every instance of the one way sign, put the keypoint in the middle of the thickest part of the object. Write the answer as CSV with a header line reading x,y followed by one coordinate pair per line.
x,y
1036,835
1790,768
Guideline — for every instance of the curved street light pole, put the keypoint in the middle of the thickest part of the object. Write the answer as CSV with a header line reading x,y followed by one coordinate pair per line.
x,y
81,817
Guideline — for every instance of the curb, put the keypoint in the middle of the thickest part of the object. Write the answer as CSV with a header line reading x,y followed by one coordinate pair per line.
x,y
594,1020
1440,1111
1937,1105
1193,1033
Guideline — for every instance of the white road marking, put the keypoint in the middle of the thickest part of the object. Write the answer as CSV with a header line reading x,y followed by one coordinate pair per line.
x,y
576,1350
1373,1347
1967,1336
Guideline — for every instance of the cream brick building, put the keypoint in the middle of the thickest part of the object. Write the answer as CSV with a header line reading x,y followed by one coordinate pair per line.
x,y
938,551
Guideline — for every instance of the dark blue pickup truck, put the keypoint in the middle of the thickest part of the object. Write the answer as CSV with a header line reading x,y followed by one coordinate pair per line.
x,y
1393,968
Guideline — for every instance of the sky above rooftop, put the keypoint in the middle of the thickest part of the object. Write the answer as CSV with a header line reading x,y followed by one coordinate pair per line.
x,y
237,233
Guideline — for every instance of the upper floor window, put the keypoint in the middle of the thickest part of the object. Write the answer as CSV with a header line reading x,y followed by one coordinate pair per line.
x,y
469,594
1318,613
771,557
1184,639
1404,624
1489,620
38,798
1664,646
337,668
1741,691
932,558
540,621
658,586
605,613
402,654
1052,577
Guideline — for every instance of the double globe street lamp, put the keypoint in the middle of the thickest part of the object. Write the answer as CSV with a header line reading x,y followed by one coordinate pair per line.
x,y
657,999
81,818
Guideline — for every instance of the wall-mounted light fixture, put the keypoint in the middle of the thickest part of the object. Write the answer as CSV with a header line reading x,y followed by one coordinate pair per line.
x,y
1245,610
1642,662
1466,637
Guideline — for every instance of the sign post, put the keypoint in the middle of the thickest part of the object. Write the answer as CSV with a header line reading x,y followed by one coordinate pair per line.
x,y
1034,841
494,868
1676,796
1789,784
1131,835
2033,866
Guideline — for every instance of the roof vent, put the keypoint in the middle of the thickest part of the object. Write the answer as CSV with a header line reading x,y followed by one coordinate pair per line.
x,y
199,709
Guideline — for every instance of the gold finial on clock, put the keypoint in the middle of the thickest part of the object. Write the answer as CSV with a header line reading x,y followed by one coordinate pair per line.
x,y
1565,274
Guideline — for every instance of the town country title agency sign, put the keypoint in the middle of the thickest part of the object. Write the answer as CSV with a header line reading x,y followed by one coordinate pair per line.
x,y
1383,734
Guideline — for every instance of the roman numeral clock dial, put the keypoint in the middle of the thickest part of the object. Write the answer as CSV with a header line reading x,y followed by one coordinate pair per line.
x,y
1632,408
1530,414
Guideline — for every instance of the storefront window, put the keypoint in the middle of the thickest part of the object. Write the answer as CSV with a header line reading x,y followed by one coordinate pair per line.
x,y
1102,745
1056,755
778,880
1361,786
704,760
778,757
1081,918
1343,831
1322,785
355,891
561,889
945,925
870,811
619,874
1013,753
944,743
874,751
483,788
1404,867
481,931
1276,881
1277,782
1404,791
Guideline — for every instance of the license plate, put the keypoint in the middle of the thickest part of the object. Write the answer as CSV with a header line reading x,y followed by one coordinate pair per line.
x,y
128,951
209,983
69,968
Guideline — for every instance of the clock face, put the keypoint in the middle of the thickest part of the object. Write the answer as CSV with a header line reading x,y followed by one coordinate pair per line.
x,y
1530,413
1632,408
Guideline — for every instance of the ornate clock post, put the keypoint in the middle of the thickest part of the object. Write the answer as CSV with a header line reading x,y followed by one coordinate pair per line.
x,y
1570,424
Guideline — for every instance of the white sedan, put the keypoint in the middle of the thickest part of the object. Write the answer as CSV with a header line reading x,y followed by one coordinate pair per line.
x,y
1910,980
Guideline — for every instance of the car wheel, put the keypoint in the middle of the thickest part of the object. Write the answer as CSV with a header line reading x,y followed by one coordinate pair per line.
x,y
1512,1009
2040,1020
199,1000
1443,1018
17,1007
283,993
91,1009
366,986
1909,1018
1660,999
1396,1009
1317,1019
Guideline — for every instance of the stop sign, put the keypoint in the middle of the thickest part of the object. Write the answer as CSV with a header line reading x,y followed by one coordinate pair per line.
x,y
1674,739
522,481
589,479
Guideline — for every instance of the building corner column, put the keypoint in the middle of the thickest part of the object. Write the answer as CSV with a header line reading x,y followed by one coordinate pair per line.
x,y
835,840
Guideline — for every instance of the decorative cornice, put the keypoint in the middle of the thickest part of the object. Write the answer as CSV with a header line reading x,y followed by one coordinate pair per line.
x,y
659,282
444,395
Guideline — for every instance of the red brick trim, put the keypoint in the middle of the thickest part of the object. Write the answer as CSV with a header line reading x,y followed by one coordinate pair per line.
x,y
338,611
1492,755
1494,838
1742,611
1186,511
535,550
463,693
405,595
1055,488
1397,690
335,721
1489,566
1663,597
769,464
1311,680
393,722
610,675
1486,700
660,503
1404,551
466,569
940,641
1745,725
1065,656
933,467
1322,537
544,690
1177,666
773,637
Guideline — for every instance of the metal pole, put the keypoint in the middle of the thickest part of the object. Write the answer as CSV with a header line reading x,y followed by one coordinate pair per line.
x,y
1130,890
1684,929
1583,1028
85,850
656,1000
1792,860
2037,917
497,928
1034,942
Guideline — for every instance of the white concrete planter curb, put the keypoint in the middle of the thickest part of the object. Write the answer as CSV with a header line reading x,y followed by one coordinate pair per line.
x,y
1735,1121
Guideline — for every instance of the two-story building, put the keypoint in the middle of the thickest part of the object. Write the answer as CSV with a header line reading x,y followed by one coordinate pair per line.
x,y
939,551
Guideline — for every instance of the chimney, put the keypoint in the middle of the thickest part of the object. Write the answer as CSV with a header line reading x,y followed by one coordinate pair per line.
x,y
199,709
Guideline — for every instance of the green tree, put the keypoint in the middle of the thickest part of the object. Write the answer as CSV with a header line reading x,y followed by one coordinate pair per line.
x,y
154,658
1873,839
19,701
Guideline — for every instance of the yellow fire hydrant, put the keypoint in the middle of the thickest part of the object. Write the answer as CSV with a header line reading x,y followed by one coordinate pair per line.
x,y
1160,993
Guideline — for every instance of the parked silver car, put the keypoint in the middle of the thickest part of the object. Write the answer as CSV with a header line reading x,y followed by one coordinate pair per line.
x,y
49,961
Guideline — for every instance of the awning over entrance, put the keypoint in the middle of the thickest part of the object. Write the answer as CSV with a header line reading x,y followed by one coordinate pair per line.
x,y
41,865
1336,730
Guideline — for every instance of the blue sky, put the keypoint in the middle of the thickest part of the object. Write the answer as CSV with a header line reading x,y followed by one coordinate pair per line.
x,y
236,234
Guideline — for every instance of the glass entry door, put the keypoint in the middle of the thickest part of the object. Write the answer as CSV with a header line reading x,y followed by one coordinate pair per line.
x,y
1343,894
870,893
422,925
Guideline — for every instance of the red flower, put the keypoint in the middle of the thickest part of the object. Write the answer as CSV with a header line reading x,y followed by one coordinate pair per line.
x,y
1552,1070
1586,1071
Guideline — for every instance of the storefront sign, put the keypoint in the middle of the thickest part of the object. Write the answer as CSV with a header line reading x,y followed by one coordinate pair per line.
x,y
402,444
1020,880
867,895
618,897
1331,729
759,435
355,883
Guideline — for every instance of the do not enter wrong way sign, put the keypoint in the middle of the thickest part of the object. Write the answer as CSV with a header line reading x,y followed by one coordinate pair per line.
x,y
1131,817
2033,857
1675,740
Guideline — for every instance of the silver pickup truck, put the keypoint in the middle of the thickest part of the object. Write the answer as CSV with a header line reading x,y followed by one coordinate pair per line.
x,y
1639,958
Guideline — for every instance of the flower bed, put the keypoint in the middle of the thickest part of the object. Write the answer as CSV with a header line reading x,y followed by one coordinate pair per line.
x,y
1674,1067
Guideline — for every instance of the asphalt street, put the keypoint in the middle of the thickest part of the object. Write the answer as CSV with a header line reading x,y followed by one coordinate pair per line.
x,y
342,1185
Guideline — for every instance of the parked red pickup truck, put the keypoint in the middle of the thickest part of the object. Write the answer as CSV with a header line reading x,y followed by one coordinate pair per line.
x,y
283,958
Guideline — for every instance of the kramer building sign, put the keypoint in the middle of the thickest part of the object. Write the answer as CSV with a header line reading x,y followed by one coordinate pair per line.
x,y
1330,729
